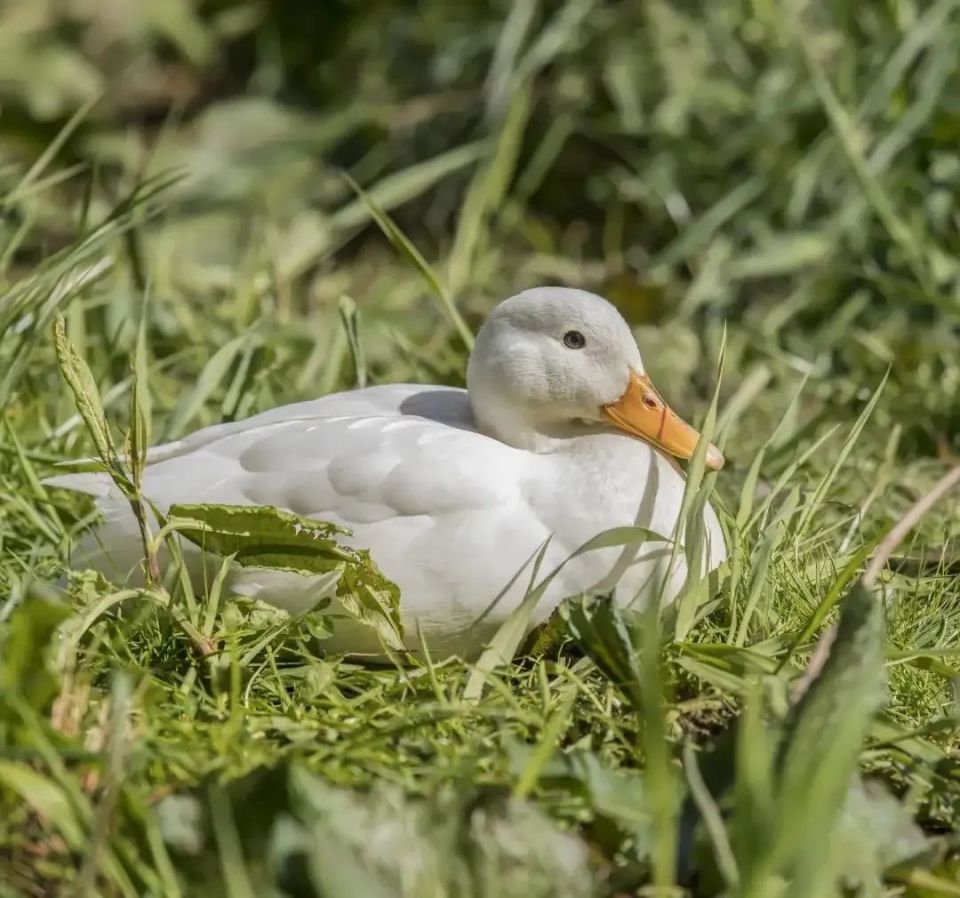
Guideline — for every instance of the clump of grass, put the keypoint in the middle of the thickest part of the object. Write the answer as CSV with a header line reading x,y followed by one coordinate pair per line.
x,y
780,188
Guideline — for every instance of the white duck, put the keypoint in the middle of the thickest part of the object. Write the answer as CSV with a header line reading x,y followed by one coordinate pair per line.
x,y
454,491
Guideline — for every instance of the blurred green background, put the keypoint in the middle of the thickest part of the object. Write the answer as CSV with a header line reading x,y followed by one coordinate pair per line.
x,y
295,198
790,167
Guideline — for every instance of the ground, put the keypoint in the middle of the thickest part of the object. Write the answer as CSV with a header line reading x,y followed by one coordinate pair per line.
x,y
773,185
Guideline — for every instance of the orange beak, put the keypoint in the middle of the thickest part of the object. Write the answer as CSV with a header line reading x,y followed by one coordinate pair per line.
x,y
642,413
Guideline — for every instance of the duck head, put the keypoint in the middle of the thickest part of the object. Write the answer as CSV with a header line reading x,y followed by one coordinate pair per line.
x,y
553,362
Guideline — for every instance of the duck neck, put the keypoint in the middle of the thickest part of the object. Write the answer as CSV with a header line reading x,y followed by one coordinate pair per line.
x,y
520,429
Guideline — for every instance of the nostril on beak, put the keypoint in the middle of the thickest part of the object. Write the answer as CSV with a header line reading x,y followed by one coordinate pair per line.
x,y
715,459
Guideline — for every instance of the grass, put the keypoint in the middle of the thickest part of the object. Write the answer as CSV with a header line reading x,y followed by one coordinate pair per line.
x,y
778,187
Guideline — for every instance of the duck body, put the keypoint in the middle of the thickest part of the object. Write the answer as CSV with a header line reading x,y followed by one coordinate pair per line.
x,y
454,515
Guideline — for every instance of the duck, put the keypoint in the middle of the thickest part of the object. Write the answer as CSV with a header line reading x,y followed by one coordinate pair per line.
x,y
465,498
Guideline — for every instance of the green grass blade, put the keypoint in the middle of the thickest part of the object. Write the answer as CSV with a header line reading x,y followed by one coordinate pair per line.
x,y
486,193
772,539
406,249
211,378
814,502
82,384
350,318
511,632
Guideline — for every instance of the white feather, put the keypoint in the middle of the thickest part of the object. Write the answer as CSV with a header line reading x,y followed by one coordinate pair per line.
x,y
448,512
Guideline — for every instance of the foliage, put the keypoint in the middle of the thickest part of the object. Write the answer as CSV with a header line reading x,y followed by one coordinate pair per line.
x,y
773,179
278,540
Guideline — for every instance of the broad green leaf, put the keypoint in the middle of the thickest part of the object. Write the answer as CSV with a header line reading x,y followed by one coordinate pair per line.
x,y
754,799
265,537
847,691
876,831
824,736
452,843
548,636
370,597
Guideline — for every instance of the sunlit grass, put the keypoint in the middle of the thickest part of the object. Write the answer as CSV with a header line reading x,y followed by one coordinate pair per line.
x,y
774,188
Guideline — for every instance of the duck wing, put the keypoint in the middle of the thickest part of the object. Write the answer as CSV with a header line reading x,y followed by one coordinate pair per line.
x,y
441,507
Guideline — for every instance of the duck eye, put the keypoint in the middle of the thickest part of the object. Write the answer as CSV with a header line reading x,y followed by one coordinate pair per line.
x,y
574,340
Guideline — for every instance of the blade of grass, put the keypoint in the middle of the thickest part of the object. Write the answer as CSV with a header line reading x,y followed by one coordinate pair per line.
x,y
819,494
850,145
406,249
510,42
50,153
236,878
511,632
350,318
487,191
774,535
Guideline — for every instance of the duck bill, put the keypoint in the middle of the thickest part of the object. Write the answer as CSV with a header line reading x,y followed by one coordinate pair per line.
x,y
642,413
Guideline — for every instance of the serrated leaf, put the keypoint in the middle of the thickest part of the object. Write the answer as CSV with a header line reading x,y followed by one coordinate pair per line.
x,y
547,637
265,537
370,597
